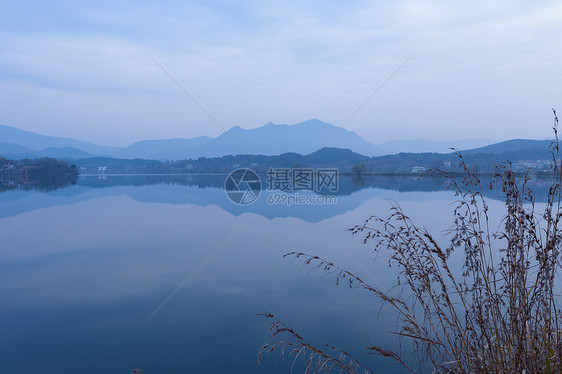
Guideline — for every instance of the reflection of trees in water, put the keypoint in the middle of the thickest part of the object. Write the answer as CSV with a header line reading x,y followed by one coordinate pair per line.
x,y
44,184
347,184
358,180
189,180
350,184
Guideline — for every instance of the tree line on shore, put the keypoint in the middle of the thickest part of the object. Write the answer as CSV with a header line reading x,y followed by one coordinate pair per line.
x,y
45,174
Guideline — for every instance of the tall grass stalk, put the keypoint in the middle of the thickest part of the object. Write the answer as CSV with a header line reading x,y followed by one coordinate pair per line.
x,y
500,314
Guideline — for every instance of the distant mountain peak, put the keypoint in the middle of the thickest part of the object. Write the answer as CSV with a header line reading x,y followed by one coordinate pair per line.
x,y
314,122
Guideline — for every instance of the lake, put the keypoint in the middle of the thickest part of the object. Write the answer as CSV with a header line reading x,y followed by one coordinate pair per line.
x,y
166,274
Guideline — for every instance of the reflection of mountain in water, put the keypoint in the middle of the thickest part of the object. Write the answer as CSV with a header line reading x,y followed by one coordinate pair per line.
x,y
207,190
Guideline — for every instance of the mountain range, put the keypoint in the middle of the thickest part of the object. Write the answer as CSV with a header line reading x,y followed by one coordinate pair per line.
x,y
270,139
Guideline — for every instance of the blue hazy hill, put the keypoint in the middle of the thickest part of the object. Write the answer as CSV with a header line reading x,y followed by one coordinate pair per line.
x,y
270,139
37,142
16,151
172,149
9,149
422,145
513,145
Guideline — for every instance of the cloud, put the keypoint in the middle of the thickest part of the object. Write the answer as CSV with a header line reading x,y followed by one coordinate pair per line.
x,y
256,62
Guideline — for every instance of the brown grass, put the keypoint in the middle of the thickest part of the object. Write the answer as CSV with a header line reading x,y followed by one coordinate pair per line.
x,y
500,314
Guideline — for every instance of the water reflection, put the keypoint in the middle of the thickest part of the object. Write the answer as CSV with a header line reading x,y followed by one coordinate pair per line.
x,y
207,190
26,183
347,184
82,268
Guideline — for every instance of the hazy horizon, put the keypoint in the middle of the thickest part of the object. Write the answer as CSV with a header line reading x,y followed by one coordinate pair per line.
x,y
390,141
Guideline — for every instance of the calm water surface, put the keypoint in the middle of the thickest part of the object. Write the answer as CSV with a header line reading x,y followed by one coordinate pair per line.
x,y
167,275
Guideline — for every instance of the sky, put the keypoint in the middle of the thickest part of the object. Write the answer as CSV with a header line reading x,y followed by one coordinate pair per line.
x,y
106,71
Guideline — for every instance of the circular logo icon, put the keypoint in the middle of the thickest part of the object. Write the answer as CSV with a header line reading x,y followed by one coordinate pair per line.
x,y
242,186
